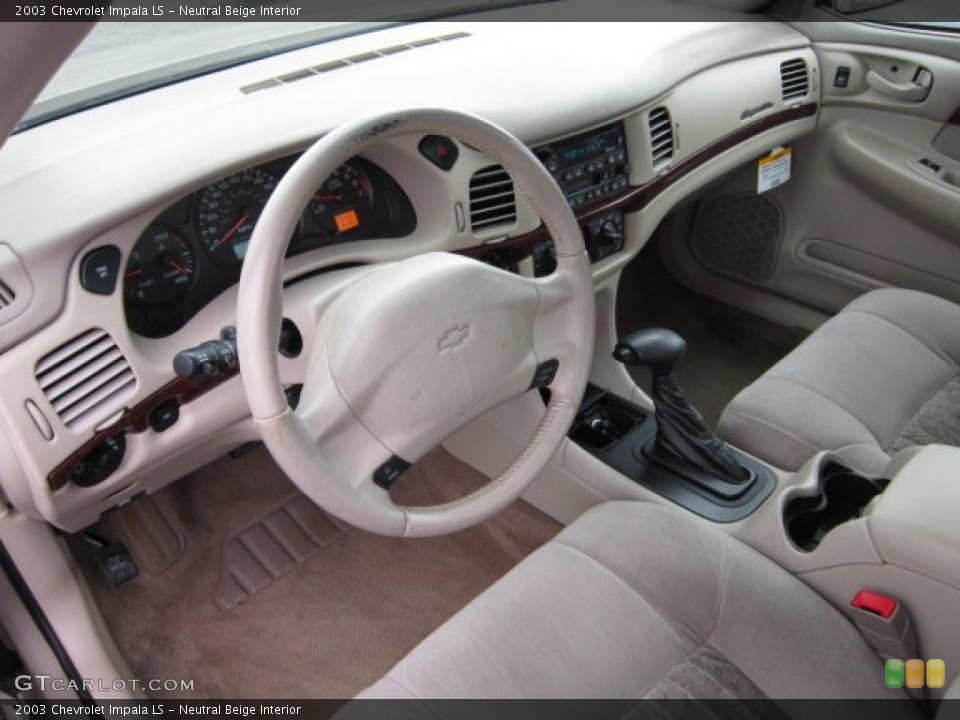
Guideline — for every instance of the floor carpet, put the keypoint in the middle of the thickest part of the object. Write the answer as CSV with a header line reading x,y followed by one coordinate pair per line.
x,y
331,626
727,348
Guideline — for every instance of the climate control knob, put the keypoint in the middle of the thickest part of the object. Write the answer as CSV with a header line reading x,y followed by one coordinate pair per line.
x,y
610,235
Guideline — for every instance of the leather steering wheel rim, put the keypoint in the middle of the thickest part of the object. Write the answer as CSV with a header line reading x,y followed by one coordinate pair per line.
x,y
347,428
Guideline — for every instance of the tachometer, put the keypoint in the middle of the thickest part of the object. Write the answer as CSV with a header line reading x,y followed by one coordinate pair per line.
x,y
228,211
344,203
160,267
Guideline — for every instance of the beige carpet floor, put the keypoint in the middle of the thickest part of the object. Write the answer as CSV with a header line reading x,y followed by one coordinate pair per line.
x,y
333,625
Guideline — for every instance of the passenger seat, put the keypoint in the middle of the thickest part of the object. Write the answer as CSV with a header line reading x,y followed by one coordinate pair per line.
x,y
882,375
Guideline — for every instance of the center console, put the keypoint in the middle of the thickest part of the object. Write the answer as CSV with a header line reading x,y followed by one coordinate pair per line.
x,y
843,532
623,435
590,168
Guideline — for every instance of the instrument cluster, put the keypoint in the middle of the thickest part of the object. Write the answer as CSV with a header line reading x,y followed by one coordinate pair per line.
x,y
195,249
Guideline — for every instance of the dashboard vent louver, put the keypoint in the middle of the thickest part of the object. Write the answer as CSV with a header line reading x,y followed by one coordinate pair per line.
x,y
7,296
794,79
661,135
86,378
326,67
493,200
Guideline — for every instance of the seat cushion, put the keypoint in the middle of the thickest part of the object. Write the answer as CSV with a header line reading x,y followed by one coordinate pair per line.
x,y
879,376
638,601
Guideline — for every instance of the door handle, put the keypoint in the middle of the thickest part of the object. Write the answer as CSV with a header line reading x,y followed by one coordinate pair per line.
x,y
915,90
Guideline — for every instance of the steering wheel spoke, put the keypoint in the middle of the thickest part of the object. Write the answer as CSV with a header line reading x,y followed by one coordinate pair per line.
x,y
563,331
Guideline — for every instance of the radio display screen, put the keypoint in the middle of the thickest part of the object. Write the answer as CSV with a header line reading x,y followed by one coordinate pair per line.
x,y
572,153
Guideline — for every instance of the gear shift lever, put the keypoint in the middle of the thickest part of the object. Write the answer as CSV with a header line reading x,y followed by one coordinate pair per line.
x,y
681,430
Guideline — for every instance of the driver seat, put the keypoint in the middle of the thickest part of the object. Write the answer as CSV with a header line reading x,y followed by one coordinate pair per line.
x,y
639,601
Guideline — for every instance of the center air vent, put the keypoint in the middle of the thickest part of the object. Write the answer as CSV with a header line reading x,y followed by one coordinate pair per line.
x,y
86,378
794,79
492,198
7,296
661,136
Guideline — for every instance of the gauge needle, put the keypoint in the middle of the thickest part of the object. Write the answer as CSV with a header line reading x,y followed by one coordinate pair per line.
x,y
328,197
133,273
178,266
231,231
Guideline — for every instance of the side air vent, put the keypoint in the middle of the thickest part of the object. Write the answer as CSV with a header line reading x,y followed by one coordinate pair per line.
x,y
661,135
86,378
492,198
326,67
7,296
794,79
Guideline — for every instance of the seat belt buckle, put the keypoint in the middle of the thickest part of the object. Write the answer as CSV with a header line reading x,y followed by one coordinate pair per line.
x,y
885,624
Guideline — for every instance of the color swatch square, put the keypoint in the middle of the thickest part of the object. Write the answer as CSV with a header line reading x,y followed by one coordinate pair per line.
x,y
936,673
894,673
916,672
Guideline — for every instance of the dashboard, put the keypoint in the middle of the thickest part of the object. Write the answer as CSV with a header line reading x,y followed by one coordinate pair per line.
x,y
626,135
195,248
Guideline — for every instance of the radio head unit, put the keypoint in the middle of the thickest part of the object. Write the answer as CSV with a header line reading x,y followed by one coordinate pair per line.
x,y
588,167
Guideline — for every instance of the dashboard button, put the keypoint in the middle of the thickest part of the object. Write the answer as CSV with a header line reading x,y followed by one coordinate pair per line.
x,y
165,415
439,150
99,270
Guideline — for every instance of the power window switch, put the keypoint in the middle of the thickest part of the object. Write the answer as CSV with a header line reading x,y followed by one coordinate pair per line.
x,y
842,77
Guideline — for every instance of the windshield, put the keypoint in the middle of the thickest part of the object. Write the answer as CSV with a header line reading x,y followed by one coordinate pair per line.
x,y
121,58
118,59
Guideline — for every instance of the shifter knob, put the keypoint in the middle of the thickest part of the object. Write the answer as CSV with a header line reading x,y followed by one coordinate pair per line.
x,y
657,348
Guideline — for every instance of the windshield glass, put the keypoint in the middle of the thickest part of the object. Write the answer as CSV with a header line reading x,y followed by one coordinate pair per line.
x,y
118,59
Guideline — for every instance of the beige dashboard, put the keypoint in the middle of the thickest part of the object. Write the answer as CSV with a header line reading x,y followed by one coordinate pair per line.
x,y
101,177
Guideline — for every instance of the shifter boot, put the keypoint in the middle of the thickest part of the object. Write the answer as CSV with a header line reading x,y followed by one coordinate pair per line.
x,y
681,429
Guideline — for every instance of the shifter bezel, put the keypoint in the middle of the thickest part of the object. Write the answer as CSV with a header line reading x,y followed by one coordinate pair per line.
x,y
630,456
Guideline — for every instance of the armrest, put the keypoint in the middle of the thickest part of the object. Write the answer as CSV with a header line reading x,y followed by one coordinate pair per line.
x,y
914,523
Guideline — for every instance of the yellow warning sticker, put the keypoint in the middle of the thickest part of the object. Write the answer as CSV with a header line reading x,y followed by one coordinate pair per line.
x,y
774,169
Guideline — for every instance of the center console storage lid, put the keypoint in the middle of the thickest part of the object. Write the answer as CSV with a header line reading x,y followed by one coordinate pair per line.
x,y
914,523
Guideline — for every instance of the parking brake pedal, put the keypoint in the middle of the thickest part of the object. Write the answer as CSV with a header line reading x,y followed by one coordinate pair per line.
x,y
113,560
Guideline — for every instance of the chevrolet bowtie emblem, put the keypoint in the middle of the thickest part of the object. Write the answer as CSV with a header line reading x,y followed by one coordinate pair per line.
x,y
454,337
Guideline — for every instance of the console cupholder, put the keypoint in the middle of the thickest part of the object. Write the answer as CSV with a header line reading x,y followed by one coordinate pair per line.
x,y
843,495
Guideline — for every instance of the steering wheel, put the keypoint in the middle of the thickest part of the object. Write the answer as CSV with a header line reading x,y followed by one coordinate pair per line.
x,y
411,351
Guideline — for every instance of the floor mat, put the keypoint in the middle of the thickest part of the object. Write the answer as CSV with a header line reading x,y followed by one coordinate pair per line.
x,y
327,627
727,348
271,548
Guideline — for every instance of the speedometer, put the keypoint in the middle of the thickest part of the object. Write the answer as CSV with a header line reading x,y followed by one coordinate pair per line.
x,y
228,211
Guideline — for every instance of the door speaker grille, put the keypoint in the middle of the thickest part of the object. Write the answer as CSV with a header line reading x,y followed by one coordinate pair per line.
x,y
739,235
